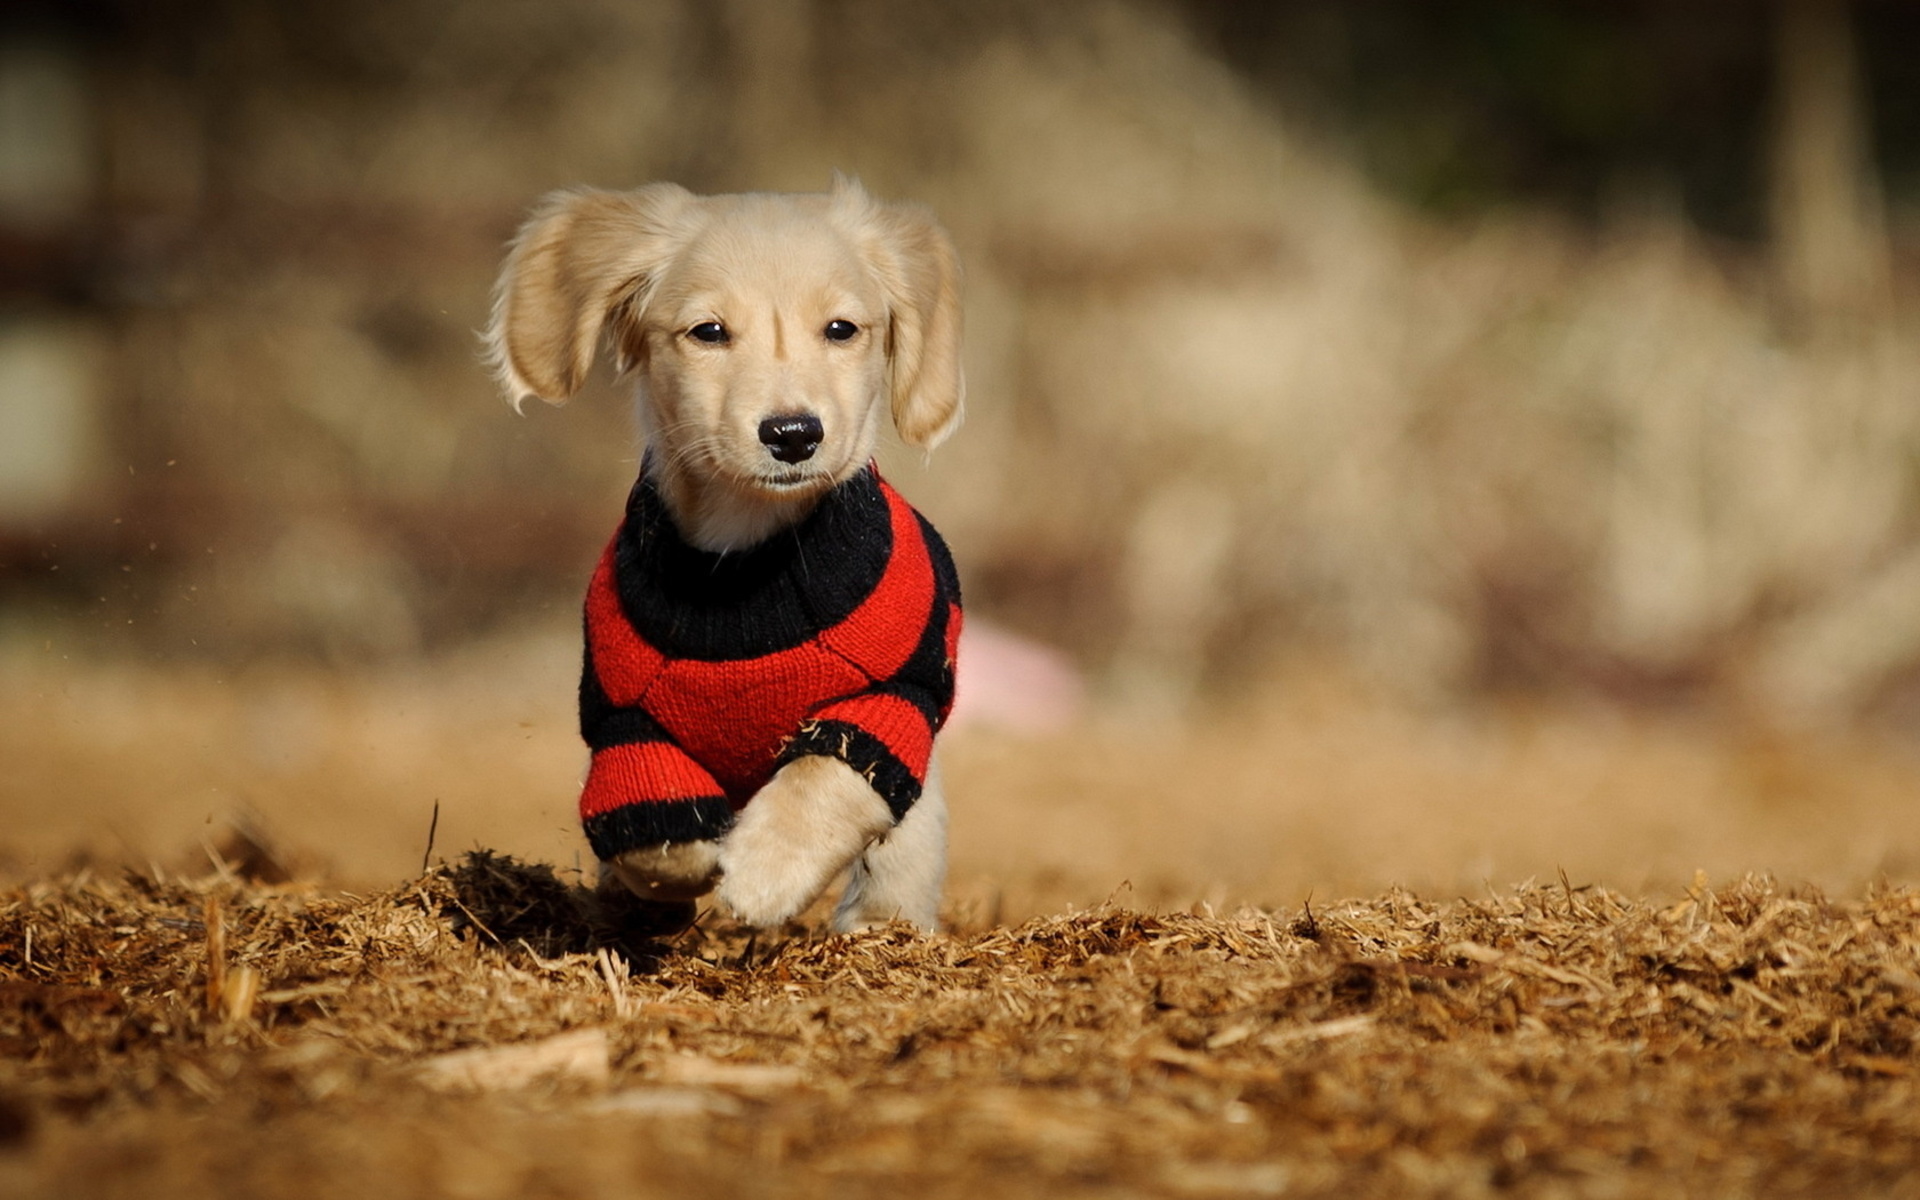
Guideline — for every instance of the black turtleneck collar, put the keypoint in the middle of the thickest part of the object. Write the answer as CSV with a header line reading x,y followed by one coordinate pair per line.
x,y
697,604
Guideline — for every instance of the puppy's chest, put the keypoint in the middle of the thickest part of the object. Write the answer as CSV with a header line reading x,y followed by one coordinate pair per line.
x,y
731,655
734,716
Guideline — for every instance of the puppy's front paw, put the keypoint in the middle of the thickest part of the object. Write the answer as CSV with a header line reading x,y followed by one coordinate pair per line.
x,y
671,872
794,836
763,887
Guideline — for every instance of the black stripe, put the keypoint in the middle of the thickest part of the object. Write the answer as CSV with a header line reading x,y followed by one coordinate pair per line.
x,y
655,822
862,751
946,577
925,680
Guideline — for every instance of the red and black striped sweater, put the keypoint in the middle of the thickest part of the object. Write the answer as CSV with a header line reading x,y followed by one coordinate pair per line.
x,y
705,673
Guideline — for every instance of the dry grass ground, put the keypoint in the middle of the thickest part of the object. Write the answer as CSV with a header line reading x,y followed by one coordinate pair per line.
x,y
1631,1029
482,1031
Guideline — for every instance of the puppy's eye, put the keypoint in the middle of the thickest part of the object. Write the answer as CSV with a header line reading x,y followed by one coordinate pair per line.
x,y
841,331
711,332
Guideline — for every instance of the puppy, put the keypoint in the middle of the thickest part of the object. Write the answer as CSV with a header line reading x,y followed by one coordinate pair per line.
x,y
771,632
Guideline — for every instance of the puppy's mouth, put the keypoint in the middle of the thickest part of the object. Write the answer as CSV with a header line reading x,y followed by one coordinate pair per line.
x,y
790,481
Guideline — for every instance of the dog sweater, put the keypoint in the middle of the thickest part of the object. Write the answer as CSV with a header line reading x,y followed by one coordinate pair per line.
x,y
705,673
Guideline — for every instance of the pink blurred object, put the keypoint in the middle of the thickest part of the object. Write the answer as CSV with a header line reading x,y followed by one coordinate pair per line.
x,y
1014,683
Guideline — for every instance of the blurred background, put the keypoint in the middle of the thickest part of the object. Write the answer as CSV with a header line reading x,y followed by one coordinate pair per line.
x,y
1407,443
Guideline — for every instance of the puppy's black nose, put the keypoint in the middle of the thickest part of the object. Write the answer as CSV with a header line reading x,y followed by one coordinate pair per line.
x,y
792,439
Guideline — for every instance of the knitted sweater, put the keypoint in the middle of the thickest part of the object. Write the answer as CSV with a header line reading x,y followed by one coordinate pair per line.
x,y
705,673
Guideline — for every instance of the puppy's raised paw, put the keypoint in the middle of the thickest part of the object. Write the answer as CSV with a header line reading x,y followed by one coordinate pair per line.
x,y
811,820
764,890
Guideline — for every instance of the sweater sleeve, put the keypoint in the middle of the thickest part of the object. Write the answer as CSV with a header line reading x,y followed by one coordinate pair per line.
x,y
885,731
642,789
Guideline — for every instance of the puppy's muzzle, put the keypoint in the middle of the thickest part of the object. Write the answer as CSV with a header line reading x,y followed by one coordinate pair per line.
x,y
792,439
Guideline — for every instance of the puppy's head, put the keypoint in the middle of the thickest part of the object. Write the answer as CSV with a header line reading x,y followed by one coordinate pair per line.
x,y
770,331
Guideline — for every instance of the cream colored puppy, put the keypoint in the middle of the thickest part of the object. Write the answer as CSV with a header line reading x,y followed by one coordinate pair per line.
x,y
768,334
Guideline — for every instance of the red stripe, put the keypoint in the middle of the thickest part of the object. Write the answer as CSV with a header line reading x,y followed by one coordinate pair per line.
x,y
897,723
625,664
637,774
879,635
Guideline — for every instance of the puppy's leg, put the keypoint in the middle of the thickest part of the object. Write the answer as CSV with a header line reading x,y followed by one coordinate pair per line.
x,y
812,819
899,877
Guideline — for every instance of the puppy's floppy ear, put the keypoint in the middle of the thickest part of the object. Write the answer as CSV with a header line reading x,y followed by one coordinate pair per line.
x,y
920,273
584,258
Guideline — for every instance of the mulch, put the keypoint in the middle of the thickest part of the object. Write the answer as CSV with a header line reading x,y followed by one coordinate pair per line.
x,y
490,1029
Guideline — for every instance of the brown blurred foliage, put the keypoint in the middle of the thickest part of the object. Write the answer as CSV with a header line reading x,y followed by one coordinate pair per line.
x,y
1233,407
